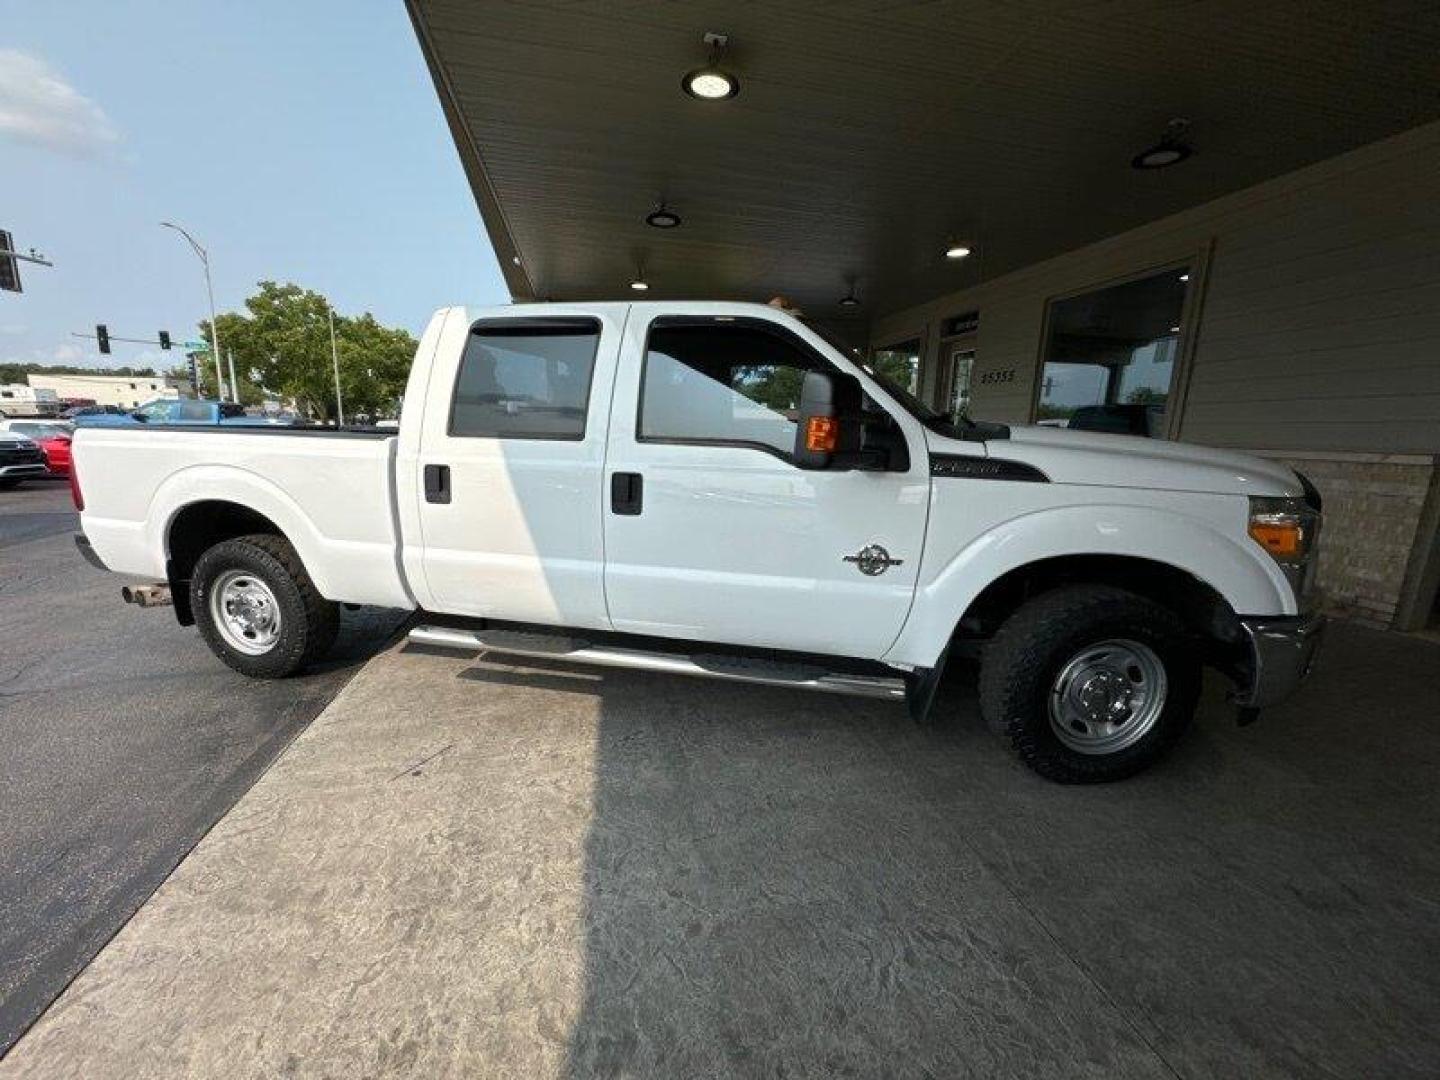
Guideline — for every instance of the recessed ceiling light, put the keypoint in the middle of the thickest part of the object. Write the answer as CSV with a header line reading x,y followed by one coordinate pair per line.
x,y
662,218
1170,150
1184,277
639,285
1174,329
956,251
711,82
515,259
850,299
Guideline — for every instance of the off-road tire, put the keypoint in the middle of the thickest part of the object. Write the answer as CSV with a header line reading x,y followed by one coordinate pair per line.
x,y
308,622
1020,664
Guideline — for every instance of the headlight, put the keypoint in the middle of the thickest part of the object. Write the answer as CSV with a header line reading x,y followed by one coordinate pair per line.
x,y
1288,530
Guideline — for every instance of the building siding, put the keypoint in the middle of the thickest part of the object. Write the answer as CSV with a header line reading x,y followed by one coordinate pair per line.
x,y
1313,336
1319,323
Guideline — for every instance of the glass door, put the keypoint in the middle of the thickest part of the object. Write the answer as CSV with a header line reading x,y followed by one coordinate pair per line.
x,y
960,362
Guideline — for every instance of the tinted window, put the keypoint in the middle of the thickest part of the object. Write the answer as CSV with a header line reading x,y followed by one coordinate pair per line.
x,y
190,412
724,384
529,380
1110,356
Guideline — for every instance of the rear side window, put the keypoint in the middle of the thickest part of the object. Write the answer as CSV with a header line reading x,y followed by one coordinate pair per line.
x,y
525,379
723,383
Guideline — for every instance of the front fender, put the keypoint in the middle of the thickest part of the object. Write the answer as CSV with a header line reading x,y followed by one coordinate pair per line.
x,y
1238,570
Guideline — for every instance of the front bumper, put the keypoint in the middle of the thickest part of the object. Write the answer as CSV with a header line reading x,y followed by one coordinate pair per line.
x,y
1282,651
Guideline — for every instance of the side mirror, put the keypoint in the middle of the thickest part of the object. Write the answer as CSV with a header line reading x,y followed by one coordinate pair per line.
x,y
828,429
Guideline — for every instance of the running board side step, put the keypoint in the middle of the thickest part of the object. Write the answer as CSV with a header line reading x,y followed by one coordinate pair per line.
x,y
737,669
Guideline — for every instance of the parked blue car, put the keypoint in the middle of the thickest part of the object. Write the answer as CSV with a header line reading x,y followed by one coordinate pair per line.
x,y
175,411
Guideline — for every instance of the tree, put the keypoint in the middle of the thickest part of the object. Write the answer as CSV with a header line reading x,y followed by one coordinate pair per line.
x,y
282,348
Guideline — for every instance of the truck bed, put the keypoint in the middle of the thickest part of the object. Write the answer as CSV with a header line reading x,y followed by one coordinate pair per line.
x,y
331,492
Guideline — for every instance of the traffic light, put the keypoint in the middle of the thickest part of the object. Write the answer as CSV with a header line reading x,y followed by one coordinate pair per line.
x,y
164,339
102,335
9,268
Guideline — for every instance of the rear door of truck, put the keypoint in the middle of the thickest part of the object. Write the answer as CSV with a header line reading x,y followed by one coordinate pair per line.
x,y
505,480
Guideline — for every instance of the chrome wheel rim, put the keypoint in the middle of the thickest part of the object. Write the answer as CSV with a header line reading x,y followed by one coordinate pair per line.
x,y
245,611
1107,696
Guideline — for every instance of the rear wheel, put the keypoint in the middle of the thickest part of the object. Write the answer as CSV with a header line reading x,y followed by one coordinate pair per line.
x,y
257,608
1090,683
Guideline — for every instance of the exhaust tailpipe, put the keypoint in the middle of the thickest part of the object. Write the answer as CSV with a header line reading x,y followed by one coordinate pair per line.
x,y
147,595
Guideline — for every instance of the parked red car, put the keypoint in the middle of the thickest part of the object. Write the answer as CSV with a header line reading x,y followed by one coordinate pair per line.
x,y
54,439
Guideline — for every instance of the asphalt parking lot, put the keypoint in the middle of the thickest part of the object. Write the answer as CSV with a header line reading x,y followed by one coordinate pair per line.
x,y
122,740
465,867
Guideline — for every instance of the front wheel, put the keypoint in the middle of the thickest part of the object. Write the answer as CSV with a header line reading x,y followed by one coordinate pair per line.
x,y
1090,683
257,608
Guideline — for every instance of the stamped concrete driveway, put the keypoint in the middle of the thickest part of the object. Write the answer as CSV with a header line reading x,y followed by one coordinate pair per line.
x,y
466,868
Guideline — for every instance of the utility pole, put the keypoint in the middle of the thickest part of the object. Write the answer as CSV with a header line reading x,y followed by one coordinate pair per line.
x,y
214,333
335,361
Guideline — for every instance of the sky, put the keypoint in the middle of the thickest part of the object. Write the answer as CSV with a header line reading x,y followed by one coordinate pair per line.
x,y
297,141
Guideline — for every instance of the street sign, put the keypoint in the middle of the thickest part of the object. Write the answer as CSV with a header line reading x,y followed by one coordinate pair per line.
x,y
197,346
9,268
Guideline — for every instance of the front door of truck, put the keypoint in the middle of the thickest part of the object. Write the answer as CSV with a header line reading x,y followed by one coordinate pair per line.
x,y
712,533
508,473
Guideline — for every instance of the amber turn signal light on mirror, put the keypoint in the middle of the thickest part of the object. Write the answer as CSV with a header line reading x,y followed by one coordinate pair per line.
x,y
822,433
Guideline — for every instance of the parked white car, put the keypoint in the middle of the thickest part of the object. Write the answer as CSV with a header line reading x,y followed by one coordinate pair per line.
x,y
714,489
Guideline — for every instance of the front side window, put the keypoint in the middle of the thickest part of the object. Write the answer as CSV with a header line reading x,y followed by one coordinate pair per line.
x,y
1110,356
723,383
526,379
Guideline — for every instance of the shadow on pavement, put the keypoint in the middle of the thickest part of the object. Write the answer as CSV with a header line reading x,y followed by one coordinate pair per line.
x,y
794,884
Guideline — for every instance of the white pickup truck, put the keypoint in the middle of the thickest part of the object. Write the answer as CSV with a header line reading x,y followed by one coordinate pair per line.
x,y
716,489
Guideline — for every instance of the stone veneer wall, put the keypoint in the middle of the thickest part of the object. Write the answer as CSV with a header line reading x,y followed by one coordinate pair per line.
x,y
1374,504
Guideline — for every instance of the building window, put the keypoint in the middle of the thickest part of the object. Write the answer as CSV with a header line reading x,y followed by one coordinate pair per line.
x,y
528,379
1110,356
900,363
727,384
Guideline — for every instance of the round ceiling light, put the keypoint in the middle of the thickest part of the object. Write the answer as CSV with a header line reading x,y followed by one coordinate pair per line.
x,y
1170,150
663,218
711,82
956,251
850,299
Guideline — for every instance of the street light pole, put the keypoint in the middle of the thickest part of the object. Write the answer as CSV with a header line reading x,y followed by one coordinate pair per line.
x,y
335,361
214,333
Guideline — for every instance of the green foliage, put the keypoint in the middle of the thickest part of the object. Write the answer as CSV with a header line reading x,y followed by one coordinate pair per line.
x,y
1146,395
281,348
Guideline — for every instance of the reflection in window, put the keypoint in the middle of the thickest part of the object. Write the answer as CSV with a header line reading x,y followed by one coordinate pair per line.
x,y
724,384
528,380
900,363
1110,356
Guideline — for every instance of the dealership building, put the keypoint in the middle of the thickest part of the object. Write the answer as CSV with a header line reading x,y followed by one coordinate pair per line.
x,y
1210,222
124,391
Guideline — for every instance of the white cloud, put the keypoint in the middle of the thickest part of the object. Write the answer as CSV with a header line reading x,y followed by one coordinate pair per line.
x,y
60,354
38,107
